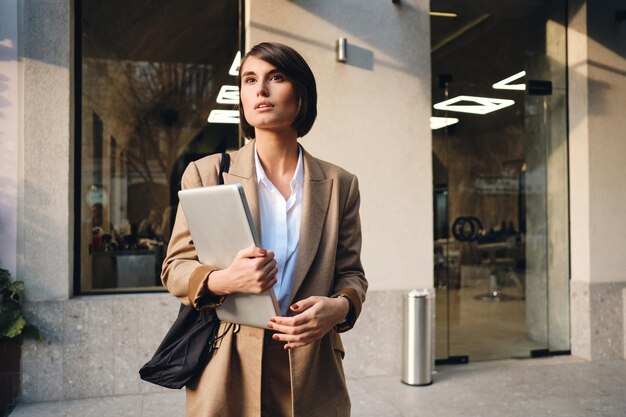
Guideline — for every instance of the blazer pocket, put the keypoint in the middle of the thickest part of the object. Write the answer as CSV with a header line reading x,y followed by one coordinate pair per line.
x,y
336,343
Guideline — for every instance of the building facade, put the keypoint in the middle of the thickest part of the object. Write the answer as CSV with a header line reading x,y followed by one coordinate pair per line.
x,y
102,104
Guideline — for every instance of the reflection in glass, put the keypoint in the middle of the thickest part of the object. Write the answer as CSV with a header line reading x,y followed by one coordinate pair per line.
x,y
150,78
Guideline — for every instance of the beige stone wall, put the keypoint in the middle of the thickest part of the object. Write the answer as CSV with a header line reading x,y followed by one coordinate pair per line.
x,y
607,147
95,345
624,319
46,206
598,149
9,129
373,118
597,83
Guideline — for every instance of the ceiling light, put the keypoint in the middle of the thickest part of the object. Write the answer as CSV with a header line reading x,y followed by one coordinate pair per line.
x,y
229,94
471,25
439,122
504,84
443,14
234,67
483,105
224,116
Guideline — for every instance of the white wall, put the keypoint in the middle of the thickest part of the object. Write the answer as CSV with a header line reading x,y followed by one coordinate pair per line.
x,y
373,118
9,114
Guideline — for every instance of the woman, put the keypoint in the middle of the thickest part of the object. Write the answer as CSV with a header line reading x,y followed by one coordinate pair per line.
x,y
307,213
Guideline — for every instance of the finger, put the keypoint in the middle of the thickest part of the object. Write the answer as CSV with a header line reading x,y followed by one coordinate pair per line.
x,y
290,325
251,252
297,320
306,337
305,304
273,272
295,341
293,345
283,329
268,257
271,279
268,285
267,279
265,261
268,267
288,330
260,262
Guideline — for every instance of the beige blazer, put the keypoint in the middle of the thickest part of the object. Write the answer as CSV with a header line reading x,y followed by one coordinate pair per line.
x,y
328,264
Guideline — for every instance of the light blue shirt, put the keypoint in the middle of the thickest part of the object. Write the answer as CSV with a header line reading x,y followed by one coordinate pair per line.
x,y
280,226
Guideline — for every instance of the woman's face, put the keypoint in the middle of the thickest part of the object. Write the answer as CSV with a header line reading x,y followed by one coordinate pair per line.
x,y
269,99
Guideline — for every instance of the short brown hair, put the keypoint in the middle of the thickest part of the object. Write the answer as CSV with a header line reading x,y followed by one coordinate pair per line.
x,y
297,71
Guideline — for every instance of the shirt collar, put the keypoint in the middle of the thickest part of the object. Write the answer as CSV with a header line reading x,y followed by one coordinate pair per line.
x,y
298,175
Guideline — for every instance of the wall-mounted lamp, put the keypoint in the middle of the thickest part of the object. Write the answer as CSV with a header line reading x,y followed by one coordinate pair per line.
x,y
342,50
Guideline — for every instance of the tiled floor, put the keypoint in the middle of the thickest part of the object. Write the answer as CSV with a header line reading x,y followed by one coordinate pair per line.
x,y
555,387
482,330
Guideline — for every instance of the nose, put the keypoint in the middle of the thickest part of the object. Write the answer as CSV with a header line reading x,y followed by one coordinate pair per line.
x,y
262,90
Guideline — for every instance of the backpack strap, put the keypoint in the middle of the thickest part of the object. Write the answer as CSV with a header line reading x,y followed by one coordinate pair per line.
x,y
224,167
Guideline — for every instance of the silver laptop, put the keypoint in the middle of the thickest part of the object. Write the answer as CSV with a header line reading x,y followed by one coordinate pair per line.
x,y
221,225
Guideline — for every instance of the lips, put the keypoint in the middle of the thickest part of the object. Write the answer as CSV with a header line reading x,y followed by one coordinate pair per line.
x,y
263,105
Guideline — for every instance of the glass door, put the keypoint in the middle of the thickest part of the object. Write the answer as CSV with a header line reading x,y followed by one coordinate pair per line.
x,y
500,178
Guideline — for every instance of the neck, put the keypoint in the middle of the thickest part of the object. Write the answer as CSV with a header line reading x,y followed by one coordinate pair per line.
x,y
278,152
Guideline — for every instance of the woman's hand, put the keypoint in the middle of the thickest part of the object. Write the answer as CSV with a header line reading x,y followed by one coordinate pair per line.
x,y
316,316
253,271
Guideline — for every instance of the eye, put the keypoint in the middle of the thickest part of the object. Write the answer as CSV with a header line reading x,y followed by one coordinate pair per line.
x,y
249,80
277,77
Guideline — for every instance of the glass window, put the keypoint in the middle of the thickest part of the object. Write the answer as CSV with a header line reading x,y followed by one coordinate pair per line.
x,y
156,89
500,178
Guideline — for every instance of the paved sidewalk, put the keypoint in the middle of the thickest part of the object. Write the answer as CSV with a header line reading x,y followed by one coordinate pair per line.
x,y
555,387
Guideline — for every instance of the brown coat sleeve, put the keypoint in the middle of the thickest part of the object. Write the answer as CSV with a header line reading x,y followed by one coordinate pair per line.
x,y
349,275
182,274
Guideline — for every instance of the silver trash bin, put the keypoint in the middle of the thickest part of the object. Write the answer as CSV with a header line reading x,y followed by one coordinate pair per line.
x,y
418,358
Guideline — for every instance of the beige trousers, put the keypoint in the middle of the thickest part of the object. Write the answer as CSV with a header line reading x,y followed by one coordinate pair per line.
x,y
275,379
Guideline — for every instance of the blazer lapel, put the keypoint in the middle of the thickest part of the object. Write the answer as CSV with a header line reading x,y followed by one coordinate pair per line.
x,y
315,201
242,171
